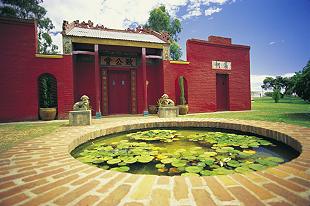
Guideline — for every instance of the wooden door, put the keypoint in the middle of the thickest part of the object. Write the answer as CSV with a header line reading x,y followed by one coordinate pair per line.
x,y
222,96
119,92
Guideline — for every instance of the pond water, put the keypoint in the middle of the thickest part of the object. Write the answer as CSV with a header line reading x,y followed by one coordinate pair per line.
x,y
189,151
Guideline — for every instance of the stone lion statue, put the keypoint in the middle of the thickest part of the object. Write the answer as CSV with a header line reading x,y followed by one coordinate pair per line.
x,y
82,105
164,101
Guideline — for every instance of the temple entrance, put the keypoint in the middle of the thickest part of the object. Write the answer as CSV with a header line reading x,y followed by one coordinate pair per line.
x,y
119,92
222,92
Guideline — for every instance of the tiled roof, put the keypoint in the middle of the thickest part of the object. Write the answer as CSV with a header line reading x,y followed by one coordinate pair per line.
x,y
113,34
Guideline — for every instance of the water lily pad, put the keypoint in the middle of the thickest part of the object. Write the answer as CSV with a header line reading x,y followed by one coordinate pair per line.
x,y
249,151
243,169
113,161
193,169
179,163
145,159
130,160
159,166
206,172
266,162
121,169
167,160
257,167
275,159
233,163
189,174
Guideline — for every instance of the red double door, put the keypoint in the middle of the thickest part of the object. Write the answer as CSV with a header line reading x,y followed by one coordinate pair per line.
x,y
119,92
222,95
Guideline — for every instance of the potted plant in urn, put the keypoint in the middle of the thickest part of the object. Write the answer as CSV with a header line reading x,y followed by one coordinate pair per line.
x,y
48,97
183,107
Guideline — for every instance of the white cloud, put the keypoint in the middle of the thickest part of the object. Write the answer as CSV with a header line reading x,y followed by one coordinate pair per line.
x,y
212,10
272,43
257,80
121,13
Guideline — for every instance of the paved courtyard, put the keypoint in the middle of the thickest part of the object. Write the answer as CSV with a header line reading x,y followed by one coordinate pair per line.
x,y
42,171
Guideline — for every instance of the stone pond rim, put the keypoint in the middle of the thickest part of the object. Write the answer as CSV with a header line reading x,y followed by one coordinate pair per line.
x,y
185,123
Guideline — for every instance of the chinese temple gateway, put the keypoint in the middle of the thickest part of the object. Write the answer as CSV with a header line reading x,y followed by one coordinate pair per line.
x,y
122,71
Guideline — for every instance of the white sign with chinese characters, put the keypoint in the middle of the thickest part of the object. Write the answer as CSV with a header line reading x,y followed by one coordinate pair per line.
x,y
221,65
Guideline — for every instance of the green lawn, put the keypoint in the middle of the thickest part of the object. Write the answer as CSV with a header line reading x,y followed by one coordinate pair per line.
x,y
12,134
289,110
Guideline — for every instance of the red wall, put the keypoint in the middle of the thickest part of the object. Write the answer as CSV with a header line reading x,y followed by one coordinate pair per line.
x,y
201,78
20,69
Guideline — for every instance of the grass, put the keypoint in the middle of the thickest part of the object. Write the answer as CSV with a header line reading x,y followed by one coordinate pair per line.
x,y
12,134
289,110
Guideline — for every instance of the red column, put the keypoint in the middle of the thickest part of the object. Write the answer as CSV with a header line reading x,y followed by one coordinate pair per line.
x,y
143,62
97,81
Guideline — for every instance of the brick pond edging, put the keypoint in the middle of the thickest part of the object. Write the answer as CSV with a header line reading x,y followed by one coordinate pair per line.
x,y
42,171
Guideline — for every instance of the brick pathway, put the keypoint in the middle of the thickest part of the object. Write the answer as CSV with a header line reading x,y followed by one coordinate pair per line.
x,y
42,172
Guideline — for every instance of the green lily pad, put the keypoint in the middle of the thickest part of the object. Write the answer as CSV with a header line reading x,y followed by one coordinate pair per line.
x,y
179,163
233,163
113,161
189,174
121,169
206,172
266,162
193,169
243,169
130,160
257,167
167,160
275,159
145,159
159,166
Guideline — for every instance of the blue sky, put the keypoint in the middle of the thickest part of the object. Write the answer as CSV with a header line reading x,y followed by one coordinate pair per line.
x,y
278,31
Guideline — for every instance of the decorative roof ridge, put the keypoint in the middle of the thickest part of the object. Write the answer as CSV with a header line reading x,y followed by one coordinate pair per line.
x,y
66,27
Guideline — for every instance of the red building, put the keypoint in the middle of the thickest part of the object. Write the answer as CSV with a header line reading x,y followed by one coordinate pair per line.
x,y
122,71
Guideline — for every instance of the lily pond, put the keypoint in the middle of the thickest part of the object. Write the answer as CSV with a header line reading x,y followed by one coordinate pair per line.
x,y
184,152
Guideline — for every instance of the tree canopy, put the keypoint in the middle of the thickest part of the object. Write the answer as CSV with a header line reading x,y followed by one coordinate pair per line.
x,y
302,84
161,21
30,9
298,84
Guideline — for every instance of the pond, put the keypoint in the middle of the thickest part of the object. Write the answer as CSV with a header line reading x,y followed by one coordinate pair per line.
x,y
186,151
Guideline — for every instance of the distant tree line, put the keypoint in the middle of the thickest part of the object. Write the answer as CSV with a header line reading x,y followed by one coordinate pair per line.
x,y
298,84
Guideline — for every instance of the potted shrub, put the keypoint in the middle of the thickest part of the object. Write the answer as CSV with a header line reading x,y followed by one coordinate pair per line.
x,y
48,102
183,107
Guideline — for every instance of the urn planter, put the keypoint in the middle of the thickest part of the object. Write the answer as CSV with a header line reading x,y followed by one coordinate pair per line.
x,y
47,114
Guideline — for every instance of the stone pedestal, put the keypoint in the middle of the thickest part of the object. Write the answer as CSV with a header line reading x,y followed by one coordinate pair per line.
x,y
79,118
166,112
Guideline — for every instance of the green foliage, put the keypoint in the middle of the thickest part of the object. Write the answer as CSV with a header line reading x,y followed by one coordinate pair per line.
x,y
302,86
161,21
225,142
155,135
47,91
276,95
225,154
182,97
30,9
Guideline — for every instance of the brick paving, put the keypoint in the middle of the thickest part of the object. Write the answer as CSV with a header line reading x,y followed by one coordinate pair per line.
x,y
42,171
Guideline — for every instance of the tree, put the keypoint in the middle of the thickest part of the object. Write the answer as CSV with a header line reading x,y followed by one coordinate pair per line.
x,y
276,85
30,9
160,21
302,86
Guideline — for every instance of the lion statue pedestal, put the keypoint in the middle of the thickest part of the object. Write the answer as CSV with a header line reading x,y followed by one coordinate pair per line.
x,y
81,114
166,107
